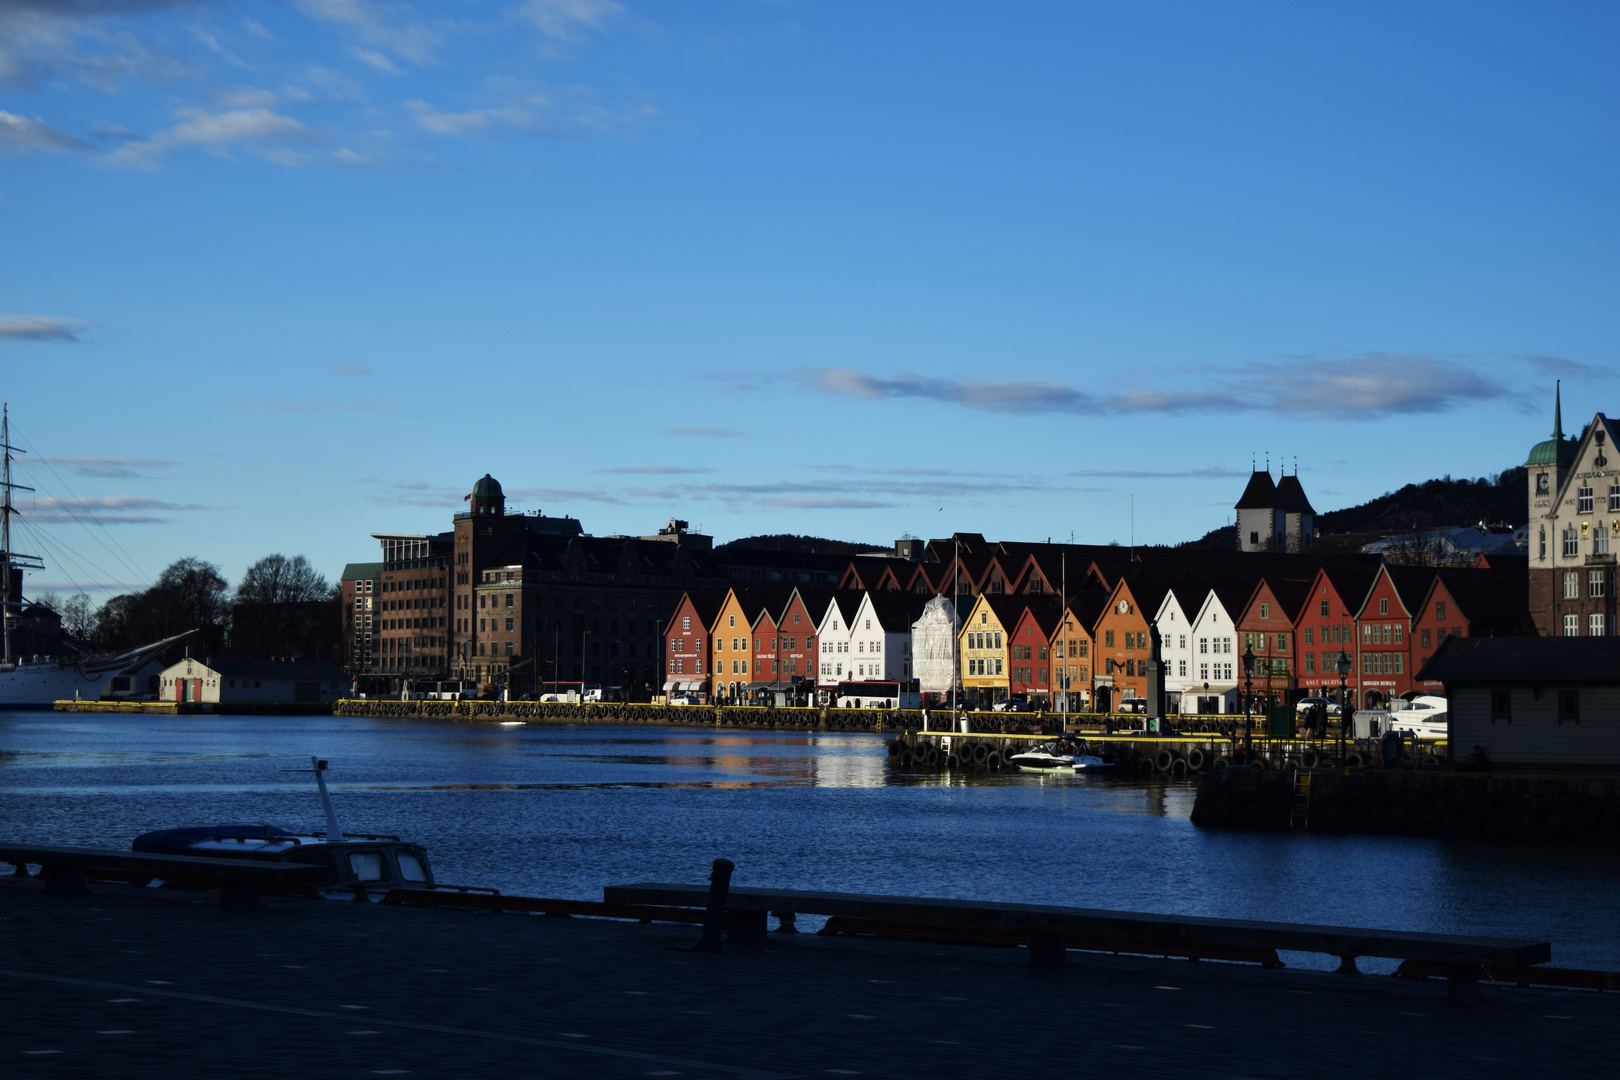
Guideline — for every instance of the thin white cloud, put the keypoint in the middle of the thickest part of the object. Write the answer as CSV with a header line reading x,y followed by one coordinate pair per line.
x,y
1359,388
209,39
248,97
218,133
374,59
560,19
1568,369
20,134
40,328
256,29
377,27
530,108
107,509
113,468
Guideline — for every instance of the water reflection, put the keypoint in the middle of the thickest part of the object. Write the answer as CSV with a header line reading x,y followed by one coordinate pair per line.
x,y
562,811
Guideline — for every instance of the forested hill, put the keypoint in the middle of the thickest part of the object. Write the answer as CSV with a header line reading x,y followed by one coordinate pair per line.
x,y
1495,500
810,545
1498,500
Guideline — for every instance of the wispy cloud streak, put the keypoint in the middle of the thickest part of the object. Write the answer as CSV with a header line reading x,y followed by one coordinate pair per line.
x,y
1359,388
39,328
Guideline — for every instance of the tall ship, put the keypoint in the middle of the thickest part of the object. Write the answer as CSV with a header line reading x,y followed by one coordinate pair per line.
x,y
35,681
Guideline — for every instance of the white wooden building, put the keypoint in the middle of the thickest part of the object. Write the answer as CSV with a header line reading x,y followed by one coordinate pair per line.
x,y
227,681
835,644
1214,662
1176,642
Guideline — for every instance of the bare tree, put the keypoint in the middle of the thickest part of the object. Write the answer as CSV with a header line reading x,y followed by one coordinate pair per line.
x,y
276,579
285,608
78,617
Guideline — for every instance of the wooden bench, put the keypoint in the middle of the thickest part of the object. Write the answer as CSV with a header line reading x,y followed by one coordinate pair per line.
x,y
1048,929
64,870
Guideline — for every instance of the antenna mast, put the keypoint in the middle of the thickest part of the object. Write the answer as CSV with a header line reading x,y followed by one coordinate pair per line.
x,y
8,560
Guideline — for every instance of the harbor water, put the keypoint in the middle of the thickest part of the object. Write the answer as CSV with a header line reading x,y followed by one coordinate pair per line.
x,y
546,810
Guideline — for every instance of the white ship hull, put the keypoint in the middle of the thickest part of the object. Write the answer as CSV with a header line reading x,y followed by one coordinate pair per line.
x,y
38,686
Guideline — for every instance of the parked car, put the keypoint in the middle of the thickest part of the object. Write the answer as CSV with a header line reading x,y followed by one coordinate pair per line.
x,y
1010,706
683,699
1306,704
1132,705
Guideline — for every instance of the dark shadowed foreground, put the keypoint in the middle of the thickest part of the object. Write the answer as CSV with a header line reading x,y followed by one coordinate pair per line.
x,y
130,983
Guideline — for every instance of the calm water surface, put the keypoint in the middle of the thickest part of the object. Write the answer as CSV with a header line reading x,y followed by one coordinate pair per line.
x,y
562,811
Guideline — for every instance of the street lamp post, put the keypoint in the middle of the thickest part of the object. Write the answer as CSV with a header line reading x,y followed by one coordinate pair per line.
x,y
1248,705
1345,712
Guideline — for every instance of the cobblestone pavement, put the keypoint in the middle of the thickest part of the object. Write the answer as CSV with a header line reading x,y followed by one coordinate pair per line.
x,y
135,983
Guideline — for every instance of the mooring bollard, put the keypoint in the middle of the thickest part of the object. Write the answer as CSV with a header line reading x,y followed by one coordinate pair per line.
x,y
714,918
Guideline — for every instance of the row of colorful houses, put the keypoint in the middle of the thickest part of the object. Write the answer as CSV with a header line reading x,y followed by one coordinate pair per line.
x,y
1091,637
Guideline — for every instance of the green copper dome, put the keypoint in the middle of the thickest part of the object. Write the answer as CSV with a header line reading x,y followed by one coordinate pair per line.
x,y
1556,450
1552,452
487,488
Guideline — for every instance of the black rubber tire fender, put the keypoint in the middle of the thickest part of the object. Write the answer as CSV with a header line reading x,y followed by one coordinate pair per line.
x,y
981,754
1388,815
1164,759
1197,759
1463,817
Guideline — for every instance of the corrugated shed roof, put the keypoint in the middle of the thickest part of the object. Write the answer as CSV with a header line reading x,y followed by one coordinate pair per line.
x,y
298,670
1543,661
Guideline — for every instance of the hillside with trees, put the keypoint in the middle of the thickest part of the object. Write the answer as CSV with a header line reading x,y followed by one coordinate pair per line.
x,y
1495,500
808,545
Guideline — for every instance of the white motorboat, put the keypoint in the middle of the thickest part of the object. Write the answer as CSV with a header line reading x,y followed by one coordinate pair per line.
x,y
1044,761
356,863
1424,717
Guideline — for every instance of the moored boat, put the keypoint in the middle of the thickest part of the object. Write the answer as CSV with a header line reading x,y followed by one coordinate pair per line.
x,y
1049,760
356,863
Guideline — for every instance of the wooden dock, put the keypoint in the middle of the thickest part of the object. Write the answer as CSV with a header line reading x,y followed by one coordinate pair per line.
x,y
154,708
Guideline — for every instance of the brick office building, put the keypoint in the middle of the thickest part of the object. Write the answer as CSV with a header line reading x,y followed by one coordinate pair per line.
x,y
536,600
412,606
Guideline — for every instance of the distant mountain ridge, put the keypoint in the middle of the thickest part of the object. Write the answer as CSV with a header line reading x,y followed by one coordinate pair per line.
x,y
1498,500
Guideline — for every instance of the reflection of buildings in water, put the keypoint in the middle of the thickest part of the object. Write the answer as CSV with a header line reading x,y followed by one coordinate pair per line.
x,y
840,761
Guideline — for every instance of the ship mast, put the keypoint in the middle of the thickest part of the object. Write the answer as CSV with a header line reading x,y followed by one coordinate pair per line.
x,y
11,563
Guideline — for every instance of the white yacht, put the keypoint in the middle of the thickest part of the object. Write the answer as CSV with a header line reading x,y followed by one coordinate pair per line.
x,y
1046,760
1424,717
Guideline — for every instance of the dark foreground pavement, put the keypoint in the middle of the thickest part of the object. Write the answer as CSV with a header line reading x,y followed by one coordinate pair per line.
x,y
126,982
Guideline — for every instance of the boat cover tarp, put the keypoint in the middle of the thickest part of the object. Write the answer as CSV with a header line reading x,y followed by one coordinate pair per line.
x,y
179,841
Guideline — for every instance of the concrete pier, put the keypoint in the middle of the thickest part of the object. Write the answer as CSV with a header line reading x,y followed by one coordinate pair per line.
x,y
141,983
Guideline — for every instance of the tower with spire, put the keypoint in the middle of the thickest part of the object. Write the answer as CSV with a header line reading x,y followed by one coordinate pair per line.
x,y
1549,462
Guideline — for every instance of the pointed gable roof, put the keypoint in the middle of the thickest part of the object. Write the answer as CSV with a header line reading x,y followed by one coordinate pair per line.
x,y
1291,496
1261,494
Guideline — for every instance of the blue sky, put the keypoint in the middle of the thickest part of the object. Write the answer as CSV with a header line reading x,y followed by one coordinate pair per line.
x,y
277,275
